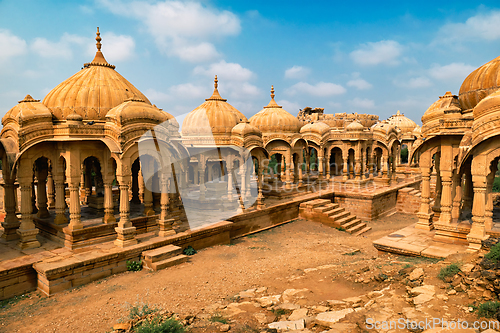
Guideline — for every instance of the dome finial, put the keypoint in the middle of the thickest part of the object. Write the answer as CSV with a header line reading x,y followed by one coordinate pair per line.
x,y
98,39
272,103
216,82
398,113
215,96
272,92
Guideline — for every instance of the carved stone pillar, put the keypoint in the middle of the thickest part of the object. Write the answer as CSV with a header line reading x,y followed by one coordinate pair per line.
x,y
260,196
488,213
357,168
328,166
289,165
27,231
74,206
50,191
109,211
345,169
10,223
60,201
425,213
446,200
439,188
201,167
468,192
384,160
164,222
457,197
478,232
41,194
300,173
125,230
140,179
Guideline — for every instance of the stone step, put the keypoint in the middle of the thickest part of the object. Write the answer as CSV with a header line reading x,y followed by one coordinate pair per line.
x,y
339,216
334,211
155,266
351,223
413,192
362,231
325,208
161,253
346,220
319,202
418,195
355,228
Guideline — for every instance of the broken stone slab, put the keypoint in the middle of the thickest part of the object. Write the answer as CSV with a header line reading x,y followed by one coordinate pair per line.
x,y
250,293
287,306
353,300
289,294
425,289
288,325
331,317
416,274
423,298
343,328
335,303
261,318
467,268
267,301
298,314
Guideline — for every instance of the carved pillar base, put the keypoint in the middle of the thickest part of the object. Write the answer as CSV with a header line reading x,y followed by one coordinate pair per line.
x,y
424,221
60,219
28,239
125,237
475,242
109,217
166,227
10,230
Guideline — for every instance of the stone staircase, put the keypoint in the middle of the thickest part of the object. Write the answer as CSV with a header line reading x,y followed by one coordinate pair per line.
x,y
324,211
163,257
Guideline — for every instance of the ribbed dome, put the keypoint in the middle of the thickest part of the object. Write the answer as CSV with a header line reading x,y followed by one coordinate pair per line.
x,y
221,117
486,117
405,124
436,112
91,92
27,109
479,84
316,127
274,119
354,126
136,109
417,131
244,129
383,127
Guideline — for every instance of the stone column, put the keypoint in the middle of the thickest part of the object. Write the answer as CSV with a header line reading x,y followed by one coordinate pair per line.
x,y
34,182
50,191
109,210
60,200
437,202
288,164
260,196
166,224
230,184
88,183
282,169
478,232
345,169
468,192
243,182
357,167
41,194
140,179
328,166
300,173
10,223
125,230
74,205
425,213
27,231
457,197
488,213
384,162
446,198
82,185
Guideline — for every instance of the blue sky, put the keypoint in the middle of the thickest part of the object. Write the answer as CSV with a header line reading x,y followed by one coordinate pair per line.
x,y
365,58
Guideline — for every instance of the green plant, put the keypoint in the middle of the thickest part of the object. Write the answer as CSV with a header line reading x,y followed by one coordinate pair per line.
x,y
448,271
488,309
353,253
139,310
219,319
407,266
159,325
6,303
134,266
280,312
340,229
494,254
189,251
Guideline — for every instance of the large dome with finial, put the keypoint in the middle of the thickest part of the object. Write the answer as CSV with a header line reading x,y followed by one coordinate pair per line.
x,y
220,115
479,84
92,92
274,119
405,124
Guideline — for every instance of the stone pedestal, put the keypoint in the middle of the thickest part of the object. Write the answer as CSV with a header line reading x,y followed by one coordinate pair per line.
x,y
424,221
125,236
166,227
28,239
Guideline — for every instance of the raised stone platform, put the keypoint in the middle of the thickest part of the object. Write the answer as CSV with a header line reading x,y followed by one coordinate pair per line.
x,y
417,242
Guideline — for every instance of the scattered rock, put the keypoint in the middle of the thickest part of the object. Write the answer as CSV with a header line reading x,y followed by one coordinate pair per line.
x,y
298,314
288,325
416,274
267,301
122,326
332,317
224,327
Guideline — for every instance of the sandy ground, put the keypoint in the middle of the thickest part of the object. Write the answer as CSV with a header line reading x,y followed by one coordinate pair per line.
x,y
273,258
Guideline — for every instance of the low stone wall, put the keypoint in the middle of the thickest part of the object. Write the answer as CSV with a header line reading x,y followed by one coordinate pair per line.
x,y
17,281
408,202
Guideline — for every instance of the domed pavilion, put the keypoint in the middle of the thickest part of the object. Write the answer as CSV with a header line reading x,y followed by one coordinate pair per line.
x,y
461,144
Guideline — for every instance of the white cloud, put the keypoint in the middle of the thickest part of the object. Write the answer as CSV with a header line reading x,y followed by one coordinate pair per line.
x,y
289,106
189,90
414,83
384,52
60,49
183,29
319,89
11,45
296,72
359,84
454,71
243,90
362,103
484,26
225,71
156,96
116,47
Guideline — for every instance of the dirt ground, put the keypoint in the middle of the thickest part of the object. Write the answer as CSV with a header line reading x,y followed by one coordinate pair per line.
x,y
275,258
